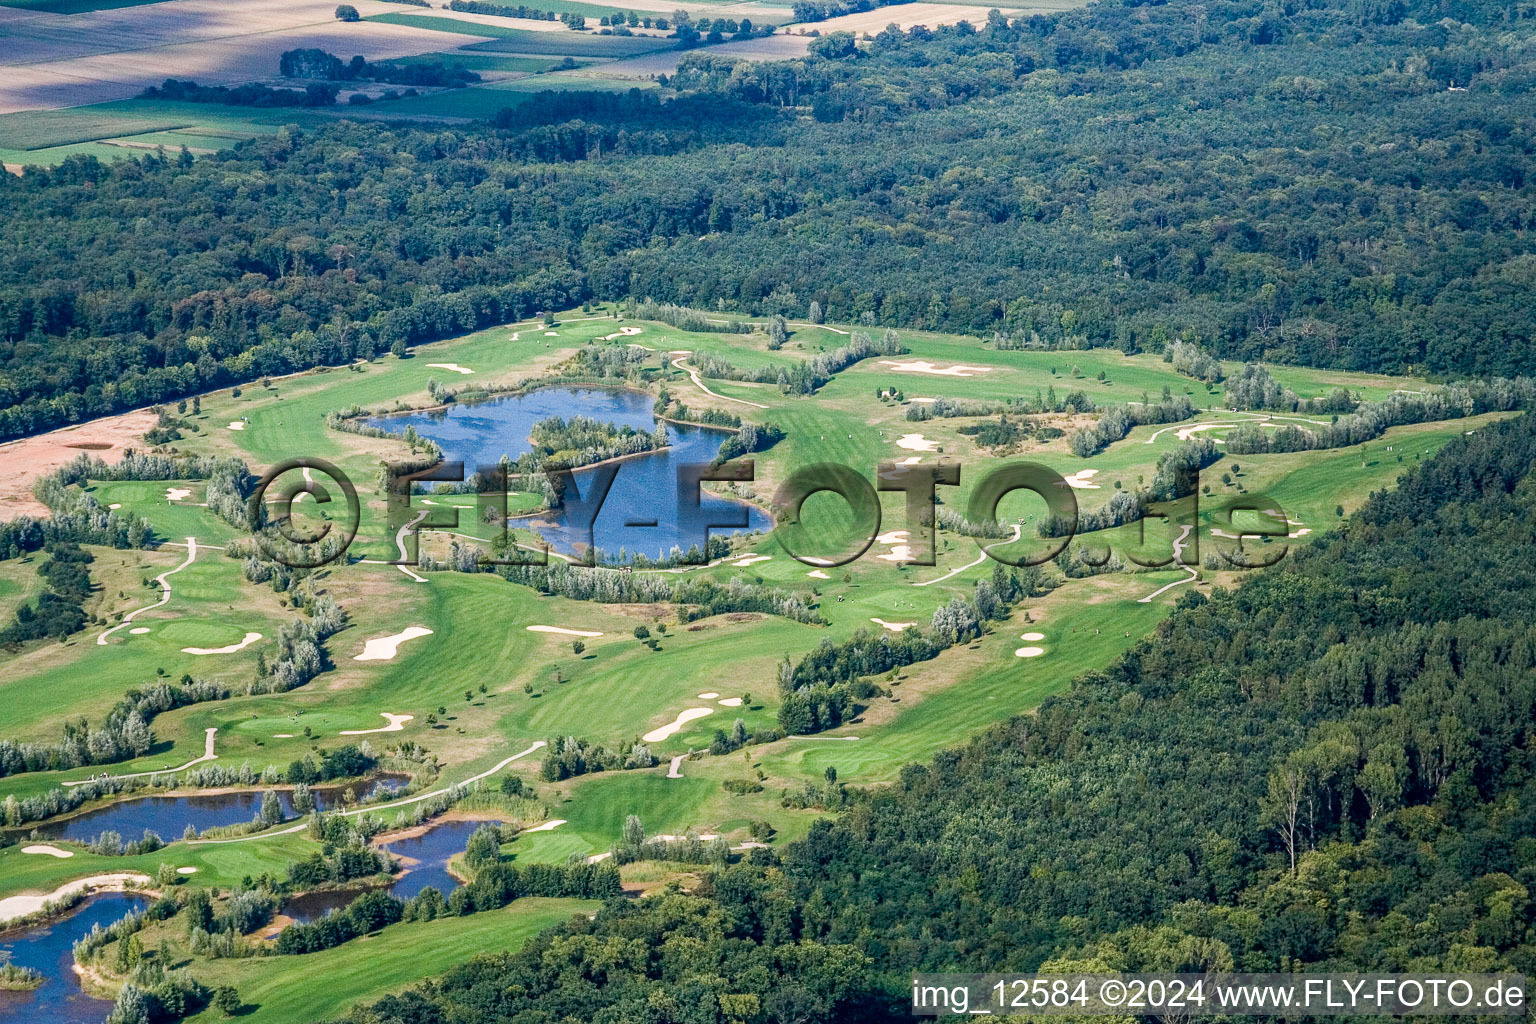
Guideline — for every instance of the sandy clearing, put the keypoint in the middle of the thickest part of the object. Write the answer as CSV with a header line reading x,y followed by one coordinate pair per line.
x,y
563,631
23,461
114,506
396,724
917,443
20,906
731,702
548,826
46,850
551,334
282,735
708,695
451,367
1081,480
139,630
924,366
910,460
177,493
894,627
1031,637
817,574
236,424
751,560
384,648
900,551
676,725
186,871
1029,652
250,638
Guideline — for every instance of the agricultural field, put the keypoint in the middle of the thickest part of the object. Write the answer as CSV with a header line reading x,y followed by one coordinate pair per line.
x,y
487,675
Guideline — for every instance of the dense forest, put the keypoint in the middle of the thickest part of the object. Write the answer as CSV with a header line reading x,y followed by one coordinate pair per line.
x,y
1336,182
1330,769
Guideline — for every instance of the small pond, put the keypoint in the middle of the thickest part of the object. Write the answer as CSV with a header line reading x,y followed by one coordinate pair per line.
x,y
50,948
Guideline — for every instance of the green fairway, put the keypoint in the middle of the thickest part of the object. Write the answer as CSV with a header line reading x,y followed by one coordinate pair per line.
x,y
317,986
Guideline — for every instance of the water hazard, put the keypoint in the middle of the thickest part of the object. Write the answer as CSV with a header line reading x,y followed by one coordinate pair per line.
x,y
644,492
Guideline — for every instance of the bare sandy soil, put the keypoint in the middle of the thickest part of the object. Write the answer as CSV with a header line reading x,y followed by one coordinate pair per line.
x,y
23,461
67,60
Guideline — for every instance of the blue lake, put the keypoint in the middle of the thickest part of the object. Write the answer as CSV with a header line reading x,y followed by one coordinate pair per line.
x,y
423,858
49,948
168,816
644,491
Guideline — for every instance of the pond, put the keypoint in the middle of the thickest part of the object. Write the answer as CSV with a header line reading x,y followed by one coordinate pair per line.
x,y
49,948
169,816
424,859
643,492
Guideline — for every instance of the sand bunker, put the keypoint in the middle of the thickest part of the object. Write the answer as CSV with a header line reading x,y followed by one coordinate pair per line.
x,y
383,648
894,627
46,850
1185,433
548,826
917,443
1032,637
186,871
115,506
250,638
751,559
563,631
709,695
1029,652
676,725
731,702
1080,480
139,630
177,493
20,906
451,367
396,724
624,332
910,460
551,334
282,735
236,424
923,366
817,574
900,551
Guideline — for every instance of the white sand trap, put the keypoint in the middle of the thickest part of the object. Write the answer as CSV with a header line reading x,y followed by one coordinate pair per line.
x,y
49,851
282,735
1032,637
563,631
383,648
709,695
1299,533
817,574
177,493
548,826
139,630
910,460
598,858
551,334
1029,652
923,401
917,443
186,871
250,638
731,702
1185,433
451,367
923,366
115,505
236,424
1081,478
750,560
676,725
900,551
396,724
894,627
20,906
